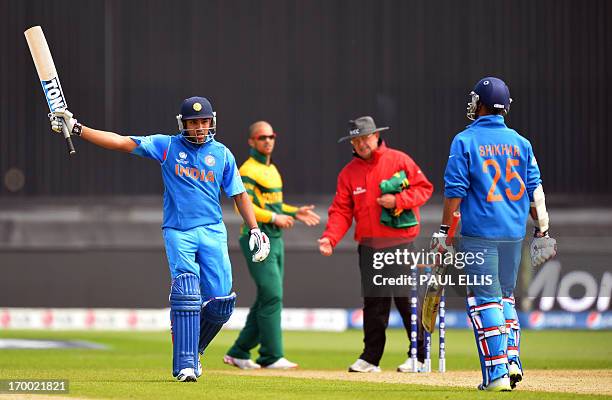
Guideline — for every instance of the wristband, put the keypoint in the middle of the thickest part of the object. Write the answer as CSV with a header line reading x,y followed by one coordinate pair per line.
x,y
444,229
537,233
77,129
273,217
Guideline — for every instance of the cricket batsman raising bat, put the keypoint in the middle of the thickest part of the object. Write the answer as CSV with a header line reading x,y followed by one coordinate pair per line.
x,y
195,169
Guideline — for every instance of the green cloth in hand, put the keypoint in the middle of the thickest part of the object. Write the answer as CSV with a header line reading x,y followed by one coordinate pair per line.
x,y
396,218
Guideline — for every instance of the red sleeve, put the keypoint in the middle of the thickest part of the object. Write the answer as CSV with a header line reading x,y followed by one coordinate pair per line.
x,y
340,213
420,189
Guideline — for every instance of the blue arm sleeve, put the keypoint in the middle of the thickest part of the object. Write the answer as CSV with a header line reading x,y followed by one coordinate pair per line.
x,y
232,183
533,174
456,175
153,146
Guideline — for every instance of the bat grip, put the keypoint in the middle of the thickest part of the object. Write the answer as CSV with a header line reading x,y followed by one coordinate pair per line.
x,y
69,143
453,228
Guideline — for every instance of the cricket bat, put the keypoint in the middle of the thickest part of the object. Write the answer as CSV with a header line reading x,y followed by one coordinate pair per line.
x,y
48,75
431,302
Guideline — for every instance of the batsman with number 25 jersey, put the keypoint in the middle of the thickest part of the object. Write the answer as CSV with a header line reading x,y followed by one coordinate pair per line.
x,y
195,167
493,176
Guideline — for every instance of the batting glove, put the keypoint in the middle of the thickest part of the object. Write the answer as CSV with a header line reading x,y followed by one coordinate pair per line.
x,y
259,244
63,117
438,243
542,248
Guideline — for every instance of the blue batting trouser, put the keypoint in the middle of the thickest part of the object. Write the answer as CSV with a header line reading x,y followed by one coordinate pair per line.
x,y
491,306
197,255
201,251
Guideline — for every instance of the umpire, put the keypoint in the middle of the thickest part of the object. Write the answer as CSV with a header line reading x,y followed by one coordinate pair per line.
x,y
385,222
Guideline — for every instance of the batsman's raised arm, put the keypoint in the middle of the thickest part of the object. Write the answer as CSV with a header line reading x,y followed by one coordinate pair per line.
x,y
107,140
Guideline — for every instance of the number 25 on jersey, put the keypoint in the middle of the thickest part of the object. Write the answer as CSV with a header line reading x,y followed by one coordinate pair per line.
x,y
511,174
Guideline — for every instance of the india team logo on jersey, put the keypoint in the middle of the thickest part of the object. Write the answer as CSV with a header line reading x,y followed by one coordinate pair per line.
x,y
209,160
182,158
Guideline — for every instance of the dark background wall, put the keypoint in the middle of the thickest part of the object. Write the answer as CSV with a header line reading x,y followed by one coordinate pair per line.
x,y
308,67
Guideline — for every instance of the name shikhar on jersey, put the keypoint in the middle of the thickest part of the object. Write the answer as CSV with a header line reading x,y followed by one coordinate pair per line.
x,y
491,150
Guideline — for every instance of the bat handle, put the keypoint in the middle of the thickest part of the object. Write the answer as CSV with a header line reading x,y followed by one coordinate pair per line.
x,y
453,227
69,143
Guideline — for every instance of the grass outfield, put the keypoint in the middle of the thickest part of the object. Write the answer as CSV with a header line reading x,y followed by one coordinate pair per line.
x,y
137,365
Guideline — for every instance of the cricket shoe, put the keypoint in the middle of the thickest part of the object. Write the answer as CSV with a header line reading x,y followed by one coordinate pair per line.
x,y
408,364
186,375
282,363
498,385
363,366
240,362
516,374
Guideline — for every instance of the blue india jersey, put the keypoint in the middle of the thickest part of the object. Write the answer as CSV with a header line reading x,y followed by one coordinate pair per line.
x,y
493,170
193,177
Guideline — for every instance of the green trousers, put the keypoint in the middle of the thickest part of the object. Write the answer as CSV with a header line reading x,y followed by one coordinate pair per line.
x,y
263,324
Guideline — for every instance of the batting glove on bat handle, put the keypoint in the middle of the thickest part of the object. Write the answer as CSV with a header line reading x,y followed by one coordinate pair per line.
x,y
62,121
259,244
438,243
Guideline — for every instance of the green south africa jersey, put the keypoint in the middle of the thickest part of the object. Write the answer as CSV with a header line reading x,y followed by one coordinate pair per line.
x,y
264,186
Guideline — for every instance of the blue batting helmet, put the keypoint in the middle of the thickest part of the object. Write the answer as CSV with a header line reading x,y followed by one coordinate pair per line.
x,y
493,93
195,108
